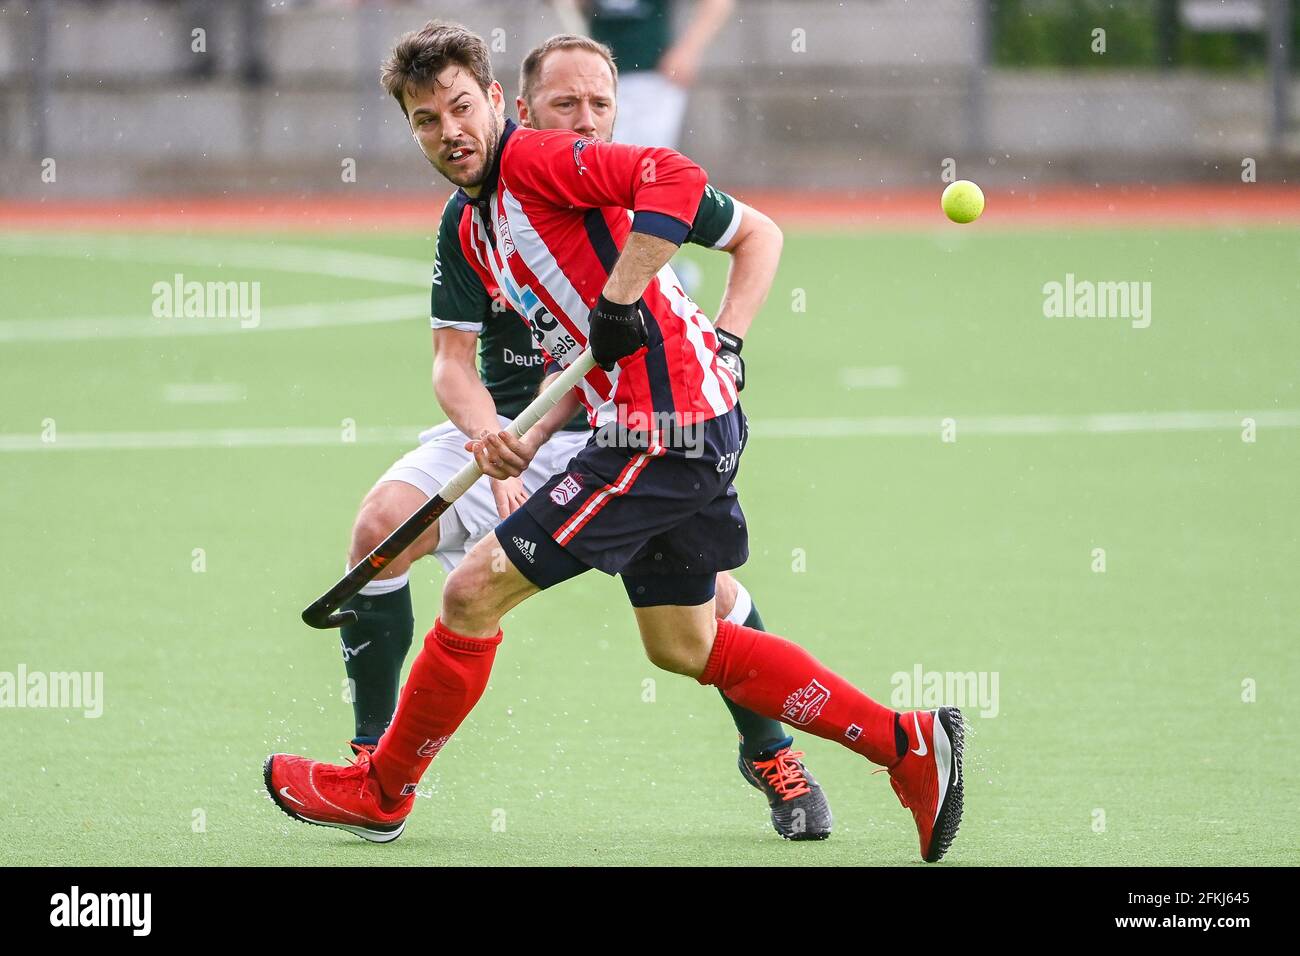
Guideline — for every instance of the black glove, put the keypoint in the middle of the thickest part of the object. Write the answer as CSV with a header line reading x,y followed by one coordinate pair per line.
x,y
729,355
615,331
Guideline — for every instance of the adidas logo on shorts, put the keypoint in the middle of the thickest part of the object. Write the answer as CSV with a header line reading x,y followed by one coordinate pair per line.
x,y
527,548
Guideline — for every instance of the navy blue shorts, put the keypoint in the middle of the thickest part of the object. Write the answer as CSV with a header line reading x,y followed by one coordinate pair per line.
x,y
626,506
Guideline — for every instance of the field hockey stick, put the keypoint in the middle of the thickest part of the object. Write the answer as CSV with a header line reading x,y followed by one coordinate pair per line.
x,y
324,612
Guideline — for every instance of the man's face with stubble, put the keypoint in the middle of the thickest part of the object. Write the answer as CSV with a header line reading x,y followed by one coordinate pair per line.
x,y
574,89
457,125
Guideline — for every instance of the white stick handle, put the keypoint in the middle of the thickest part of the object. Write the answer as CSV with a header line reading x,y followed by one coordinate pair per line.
x,y
530,416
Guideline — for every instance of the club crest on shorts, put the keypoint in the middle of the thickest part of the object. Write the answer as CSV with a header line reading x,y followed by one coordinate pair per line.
x,y
803,706
566,490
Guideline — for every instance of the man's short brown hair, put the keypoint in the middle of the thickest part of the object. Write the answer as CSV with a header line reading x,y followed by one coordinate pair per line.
x,y
563,41
420,55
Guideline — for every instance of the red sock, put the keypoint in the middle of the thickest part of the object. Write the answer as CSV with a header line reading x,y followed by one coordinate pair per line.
x,y
447,679
776,678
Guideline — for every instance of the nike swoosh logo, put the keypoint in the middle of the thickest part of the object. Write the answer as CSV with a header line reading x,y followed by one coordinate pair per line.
x,y
923,749
284,792
350,652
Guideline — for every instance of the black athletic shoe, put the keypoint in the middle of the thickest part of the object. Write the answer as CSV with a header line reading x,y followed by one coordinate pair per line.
x,y
799,807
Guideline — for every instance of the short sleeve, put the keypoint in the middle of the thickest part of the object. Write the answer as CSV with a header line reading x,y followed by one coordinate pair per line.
x,y
458,299
717,219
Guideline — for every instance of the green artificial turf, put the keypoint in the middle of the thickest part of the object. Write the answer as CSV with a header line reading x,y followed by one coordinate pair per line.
x,y
1120,734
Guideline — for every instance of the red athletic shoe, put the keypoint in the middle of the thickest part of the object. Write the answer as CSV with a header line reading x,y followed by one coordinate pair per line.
x,y
330,796
928,777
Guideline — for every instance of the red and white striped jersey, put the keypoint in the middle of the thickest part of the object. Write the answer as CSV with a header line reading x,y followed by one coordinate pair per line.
x,y
546,230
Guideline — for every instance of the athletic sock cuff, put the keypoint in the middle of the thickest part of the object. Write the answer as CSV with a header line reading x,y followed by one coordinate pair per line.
x,y
744,604
386,585
766,749
459,642
714,665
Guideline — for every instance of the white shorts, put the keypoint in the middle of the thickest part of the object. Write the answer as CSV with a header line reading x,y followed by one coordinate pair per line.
x,y
650,109
442,453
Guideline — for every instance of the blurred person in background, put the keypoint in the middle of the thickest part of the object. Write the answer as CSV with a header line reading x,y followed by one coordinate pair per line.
x,y
244,21
656,70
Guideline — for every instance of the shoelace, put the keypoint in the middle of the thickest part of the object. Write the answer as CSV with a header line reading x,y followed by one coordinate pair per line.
x,y
785,773
361,767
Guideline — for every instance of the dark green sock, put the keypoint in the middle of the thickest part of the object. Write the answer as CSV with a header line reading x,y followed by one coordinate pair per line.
x,y
757,733
374,649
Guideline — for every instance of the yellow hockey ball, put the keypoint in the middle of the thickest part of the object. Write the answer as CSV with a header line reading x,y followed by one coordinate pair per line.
x,y
962,201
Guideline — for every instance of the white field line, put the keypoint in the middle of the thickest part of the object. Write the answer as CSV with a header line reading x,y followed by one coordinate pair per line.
x,y
231,253
885,376
774,428
204,393
312,315
254,257
1116,422
209,438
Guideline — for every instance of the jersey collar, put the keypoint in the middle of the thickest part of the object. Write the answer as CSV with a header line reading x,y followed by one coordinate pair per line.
x,y
494,174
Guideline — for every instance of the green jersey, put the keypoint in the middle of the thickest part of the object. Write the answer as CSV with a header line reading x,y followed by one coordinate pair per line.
x,y
510,363
637,31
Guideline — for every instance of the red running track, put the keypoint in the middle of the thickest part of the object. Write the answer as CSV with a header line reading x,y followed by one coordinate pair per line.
x,y
1057,207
